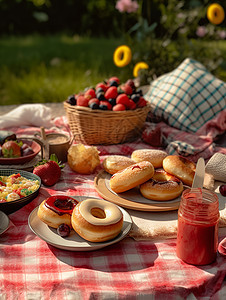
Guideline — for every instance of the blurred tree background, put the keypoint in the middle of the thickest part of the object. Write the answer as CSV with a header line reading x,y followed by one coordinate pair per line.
x,y
52,48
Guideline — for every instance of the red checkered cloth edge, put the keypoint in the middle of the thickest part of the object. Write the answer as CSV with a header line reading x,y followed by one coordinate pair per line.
x,y
32,269
191,145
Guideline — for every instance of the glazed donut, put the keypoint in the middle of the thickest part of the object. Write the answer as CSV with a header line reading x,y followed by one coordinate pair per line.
x,y
154,156
97,220
180,167
115,163
122,56
56,210
162,186
131,176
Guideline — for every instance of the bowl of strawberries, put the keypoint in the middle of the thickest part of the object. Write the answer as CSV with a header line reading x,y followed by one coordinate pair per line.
x,y
109,113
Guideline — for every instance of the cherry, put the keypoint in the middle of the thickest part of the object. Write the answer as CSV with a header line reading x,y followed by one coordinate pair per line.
x,y
222,190
63,230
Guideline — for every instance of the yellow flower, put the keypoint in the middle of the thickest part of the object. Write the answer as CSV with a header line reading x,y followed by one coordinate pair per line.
x,y
138,66
122,56
215,13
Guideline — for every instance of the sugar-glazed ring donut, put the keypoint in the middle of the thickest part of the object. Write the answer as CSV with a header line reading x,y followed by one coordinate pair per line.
x,y
122,56
162,186
97,220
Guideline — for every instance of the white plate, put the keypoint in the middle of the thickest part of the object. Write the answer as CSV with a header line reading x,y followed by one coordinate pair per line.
x,y
4,222
74,242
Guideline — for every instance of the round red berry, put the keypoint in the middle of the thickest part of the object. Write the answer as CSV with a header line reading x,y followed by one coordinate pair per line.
x,y
119,107
114,78
123,99
142,102
83,101
130,82
127,89
132,105
106,103
222,190
94,100
102,86
91,93
111,92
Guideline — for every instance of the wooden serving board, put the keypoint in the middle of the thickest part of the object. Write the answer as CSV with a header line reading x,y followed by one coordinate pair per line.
x,y
126,199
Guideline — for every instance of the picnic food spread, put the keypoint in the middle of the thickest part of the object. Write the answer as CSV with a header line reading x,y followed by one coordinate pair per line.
x,y
97,270
97,220
15,186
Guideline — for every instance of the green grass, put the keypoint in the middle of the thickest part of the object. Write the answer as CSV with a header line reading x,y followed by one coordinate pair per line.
x,y
50,68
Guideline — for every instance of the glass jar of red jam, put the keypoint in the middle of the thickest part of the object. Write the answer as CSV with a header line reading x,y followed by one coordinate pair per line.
x,y
197,233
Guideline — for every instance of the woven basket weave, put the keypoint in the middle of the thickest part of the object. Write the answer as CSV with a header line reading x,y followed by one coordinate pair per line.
x,y
95,127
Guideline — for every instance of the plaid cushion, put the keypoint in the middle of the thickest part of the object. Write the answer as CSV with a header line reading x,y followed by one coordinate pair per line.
x,y
187,97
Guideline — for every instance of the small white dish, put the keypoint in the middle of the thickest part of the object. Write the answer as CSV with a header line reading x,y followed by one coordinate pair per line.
x,y
4,222
74,242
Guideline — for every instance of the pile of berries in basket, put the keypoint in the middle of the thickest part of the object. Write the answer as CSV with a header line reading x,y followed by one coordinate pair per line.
x,y
110,95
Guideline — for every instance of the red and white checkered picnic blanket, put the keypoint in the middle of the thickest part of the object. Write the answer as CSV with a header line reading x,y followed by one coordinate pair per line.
x,y
32,269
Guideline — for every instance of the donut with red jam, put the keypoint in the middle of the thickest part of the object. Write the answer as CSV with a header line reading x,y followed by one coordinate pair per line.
x,y
162,187
57,210
131,176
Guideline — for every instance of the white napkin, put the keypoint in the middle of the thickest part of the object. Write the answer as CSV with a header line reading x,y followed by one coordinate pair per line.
x,y
27,115
216,166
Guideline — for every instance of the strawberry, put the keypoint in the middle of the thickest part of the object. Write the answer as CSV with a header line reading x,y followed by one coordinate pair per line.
x,y
49,171
123,99
132,105
119,107
131,83
127,89
11,149
142,102
114,78
102,86
111,92
104,104
94,100
153,137
83,101
91,93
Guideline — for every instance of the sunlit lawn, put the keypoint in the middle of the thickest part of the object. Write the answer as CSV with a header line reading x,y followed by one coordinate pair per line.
x,y
49,68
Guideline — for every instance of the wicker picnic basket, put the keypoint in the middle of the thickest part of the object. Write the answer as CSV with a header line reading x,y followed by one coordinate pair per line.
x,y
95,127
